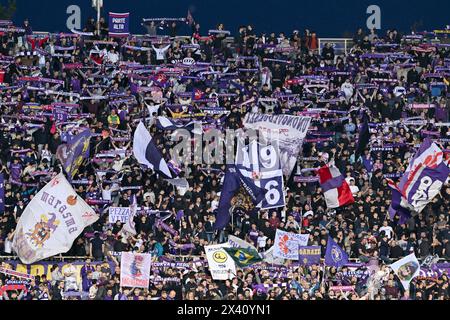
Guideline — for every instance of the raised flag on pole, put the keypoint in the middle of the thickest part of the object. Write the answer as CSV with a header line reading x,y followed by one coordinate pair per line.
x,y
427,173
135,270
146,152
335,256
164,123
243,257
130,226
233,181
236,242
72,154
51,222
221,265
336,190
406,269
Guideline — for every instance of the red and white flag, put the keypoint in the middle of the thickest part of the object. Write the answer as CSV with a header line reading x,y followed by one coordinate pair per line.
x,y
336,190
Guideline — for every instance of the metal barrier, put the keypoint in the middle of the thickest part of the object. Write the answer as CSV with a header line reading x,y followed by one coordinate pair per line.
x,y
342,46
181,258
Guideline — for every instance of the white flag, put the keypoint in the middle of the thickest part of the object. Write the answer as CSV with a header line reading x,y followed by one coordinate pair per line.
x,y
407,269
271,259
129,228
51,222
236,242
221,266
135,270
146,152
287,243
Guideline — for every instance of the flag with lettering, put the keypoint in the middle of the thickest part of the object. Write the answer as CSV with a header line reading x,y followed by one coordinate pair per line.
x,y
129,228
118,214
135,270
220,264
51,222
262,165
427,173
119,24
309,256
287,130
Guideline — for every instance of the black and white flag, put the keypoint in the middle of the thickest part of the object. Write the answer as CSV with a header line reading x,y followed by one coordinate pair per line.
x,y
146,152
261,164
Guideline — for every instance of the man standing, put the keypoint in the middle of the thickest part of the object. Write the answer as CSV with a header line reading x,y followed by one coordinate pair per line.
x,y
85,270
97,247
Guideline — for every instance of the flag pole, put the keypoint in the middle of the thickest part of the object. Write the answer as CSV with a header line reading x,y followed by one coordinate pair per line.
x,y
232,218
98,4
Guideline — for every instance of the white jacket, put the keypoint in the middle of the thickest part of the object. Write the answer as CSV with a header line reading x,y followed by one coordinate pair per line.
x,y
161,52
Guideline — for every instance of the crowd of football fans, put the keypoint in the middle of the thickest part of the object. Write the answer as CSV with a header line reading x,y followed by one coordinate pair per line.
x,y
386,75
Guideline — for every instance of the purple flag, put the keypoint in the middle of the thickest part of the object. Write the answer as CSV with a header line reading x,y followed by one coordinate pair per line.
x,y
72,154
60,116
232,183
180,215
335,256
423,180
309,256
119,24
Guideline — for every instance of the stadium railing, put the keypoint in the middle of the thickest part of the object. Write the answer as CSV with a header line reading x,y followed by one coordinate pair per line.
x,y
342,46
184,258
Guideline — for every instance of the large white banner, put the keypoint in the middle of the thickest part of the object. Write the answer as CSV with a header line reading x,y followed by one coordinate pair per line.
x,y
289,131
51,222
119,214
221,266
135,270
286,244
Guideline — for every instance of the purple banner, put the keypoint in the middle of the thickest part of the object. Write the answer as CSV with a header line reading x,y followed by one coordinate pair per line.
x,y
309,255
119,24
72,154
60,116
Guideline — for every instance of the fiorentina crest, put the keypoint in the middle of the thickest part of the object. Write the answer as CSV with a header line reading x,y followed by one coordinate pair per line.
x,y
43,230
